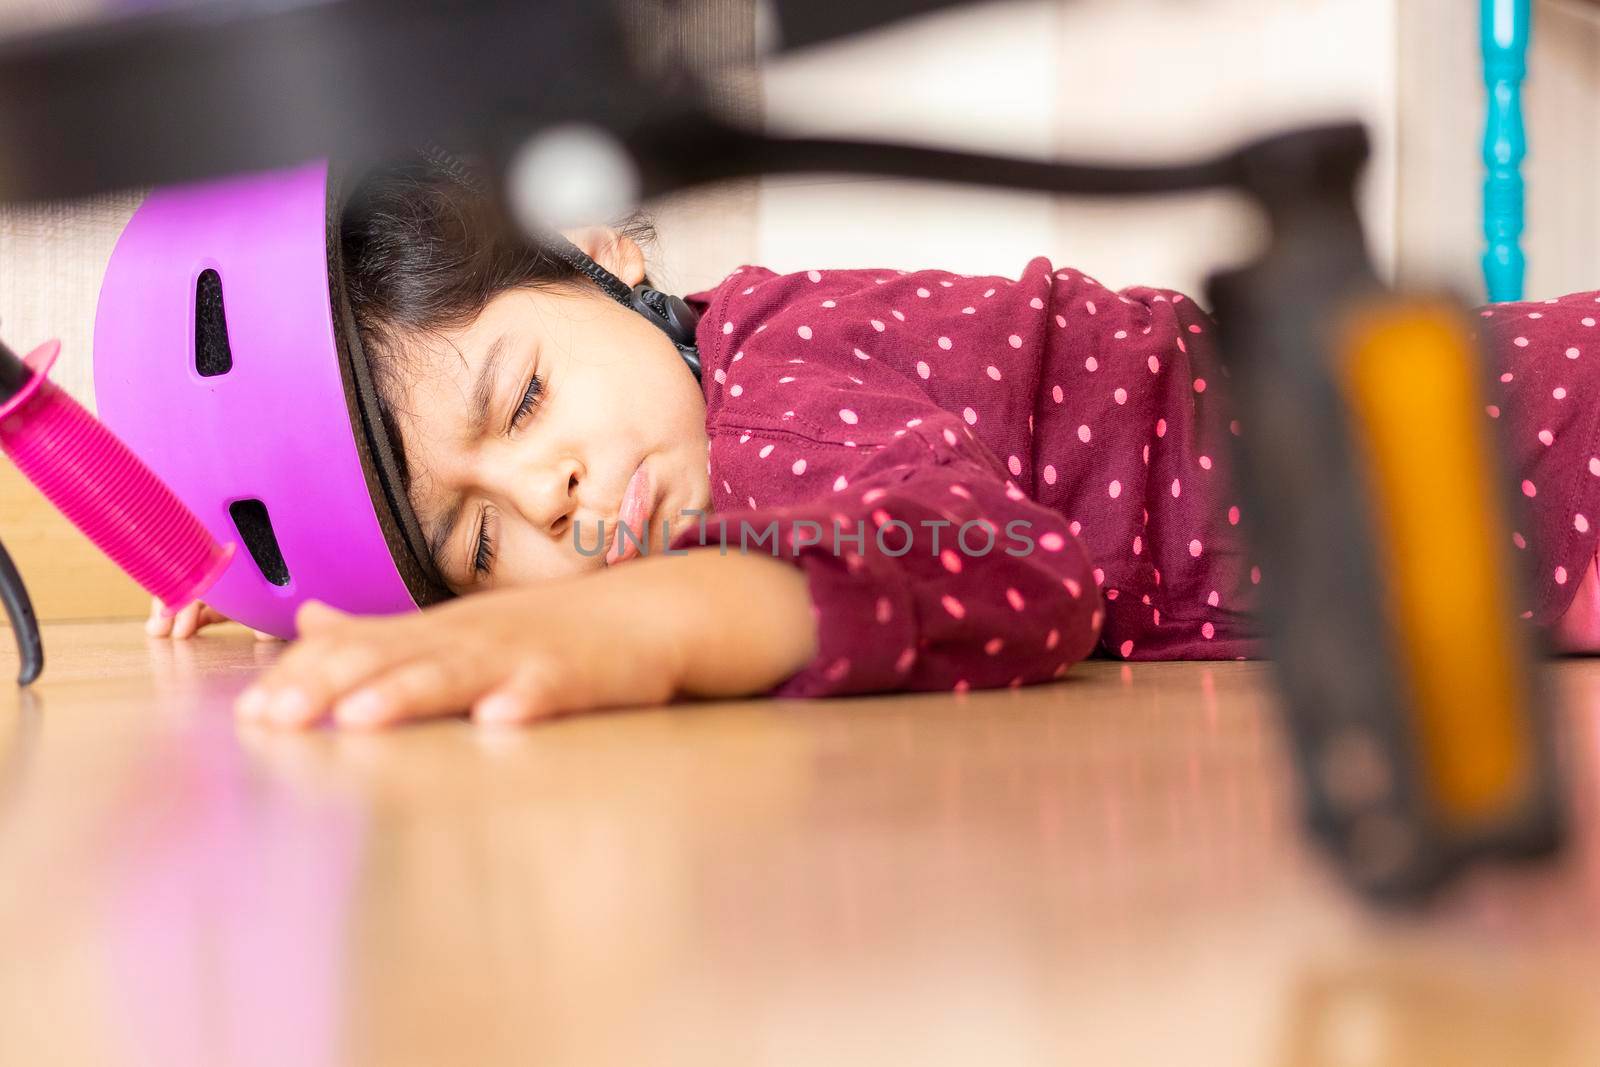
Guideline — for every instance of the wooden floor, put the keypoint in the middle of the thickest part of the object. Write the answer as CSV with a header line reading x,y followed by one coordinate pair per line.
x,y
1102,871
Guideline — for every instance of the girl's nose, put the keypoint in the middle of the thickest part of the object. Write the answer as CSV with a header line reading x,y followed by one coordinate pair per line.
x,y
546,493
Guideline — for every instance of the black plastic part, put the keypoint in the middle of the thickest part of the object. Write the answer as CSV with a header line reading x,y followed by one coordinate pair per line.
x,y
19,608
675,318
804,23
188,91
14,374
255,530
212,353
691,359
670,313
1308,514
689,146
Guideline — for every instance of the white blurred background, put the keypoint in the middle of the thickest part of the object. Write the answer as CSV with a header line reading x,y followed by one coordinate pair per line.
x,y
1134,80
1142,80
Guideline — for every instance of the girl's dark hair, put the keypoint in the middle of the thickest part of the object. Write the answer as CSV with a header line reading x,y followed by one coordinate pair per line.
x,y
425,249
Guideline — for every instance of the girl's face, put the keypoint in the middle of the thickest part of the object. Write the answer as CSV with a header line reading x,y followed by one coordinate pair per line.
x,y
524,429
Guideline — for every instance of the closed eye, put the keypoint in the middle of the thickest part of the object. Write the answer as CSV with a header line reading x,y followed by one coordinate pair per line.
x,y
484,547
531,398
483,556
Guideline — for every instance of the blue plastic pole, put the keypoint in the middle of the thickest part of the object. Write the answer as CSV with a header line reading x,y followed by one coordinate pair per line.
x,y
1505,143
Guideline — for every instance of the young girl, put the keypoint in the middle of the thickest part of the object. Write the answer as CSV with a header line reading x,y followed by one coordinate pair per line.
x,y
887,480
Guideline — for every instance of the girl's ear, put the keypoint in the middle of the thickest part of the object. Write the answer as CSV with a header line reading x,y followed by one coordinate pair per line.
x,y
615,252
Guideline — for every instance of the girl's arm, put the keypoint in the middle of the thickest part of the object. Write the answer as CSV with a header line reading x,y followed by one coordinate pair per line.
x,y
740,623
841,413
697,623
927,567
1544,384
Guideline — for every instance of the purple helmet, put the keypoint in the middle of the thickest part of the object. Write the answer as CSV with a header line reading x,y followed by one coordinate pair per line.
x,y
225,356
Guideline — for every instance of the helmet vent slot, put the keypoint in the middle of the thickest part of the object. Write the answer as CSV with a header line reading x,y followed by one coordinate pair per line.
x,y
212,354
255,528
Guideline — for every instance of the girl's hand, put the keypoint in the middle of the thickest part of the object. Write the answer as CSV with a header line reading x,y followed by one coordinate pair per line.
x,y
510,656
638,634
189,621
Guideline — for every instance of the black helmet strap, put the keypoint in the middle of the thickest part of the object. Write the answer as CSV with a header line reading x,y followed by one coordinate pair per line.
x,y
670,314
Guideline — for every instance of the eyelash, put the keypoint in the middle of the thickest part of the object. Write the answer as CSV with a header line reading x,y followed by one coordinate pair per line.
x,y
531,398
483,558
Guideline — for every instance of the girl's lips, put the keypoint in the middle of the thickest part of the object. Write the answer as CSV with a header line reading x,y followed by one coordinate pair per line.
x,y
634,512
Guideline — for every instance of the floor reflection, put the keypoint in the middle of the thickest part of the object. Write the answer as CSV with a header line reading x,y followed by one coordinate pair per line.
x,y
228,908
19,741
1394,1011
1108,870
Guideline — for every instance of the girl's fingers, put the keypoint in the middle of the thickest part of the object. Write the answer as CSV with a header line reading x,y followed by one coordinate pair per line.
x,y
210,616
187,621
194,618
413,691
155,625
526,697
310,677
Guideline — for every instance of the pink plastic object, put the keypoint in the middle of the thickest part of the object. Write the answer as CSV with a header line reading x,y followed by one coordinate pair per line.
x,y
97,482
276,427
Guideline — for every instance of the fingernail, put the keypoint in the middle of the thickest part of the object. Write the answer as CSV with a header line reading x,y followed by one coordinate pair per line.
x,y
361,708
499,709
251,703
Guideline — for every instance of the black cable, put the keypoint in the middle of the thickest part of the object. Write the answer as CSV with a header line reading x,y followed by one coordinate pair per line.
x,y
693,147
24,624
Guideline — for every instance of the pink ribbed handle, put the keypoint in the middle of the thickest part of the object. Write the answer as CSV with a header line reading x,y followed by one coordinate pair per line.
x,y
97,482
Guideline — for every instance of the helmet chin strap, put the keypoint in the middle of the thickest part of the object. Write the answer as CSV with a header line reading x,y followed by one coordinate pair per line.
x,y
670,314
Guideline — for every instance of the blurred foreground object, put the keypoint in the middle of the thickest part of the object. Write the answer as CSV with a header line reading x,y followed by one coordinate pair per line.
x,y
97,482
1420,721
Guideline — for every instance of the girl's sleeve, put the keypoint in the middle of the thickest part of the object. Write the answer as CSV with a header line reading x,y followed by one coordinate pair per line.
x,y
1545,392
928,569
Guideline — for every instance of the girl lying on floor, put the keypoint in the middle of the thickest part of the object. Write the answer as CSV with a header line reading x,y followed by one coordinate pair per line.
x,y
886,480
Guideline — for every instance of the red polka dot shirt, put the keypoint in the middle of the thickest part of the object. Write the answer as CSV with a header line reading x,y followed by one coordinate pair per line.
x,y
987,479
